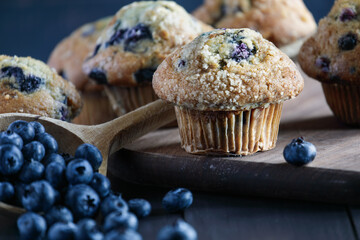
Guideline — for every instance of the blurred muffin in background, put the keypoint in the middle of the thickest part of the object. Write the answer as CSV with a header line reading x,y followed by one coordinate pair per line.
x,y
281,21
67,59
332,57
131,47
28,85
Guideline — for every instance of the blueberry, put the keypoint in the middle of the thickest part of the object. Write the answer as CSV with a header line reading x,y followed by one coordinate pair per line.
x,y
181,63
79,171
179,231
348,42
83,201
177,200
128,234
49,142
144,75
117,37
30,84
11,159
55,175
53,157
134,35
140,207
96,50
9,137
34,150
31,171
120,220
323,63
88,230
90,153
62,231
58,213
113,202
39,128
347,14
15,72
101,184
7,192
299,152
98,75
39,196
31,226
24,129
242,52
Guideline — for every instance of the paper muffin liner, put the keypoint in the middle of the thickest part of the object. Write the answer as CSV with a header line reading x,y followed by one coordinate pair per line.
x,y
127,99
96,109
344,101
229,133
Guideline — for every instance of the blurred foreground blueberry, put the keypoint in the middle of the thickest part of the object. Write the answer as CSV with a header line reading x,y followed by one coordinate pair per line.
x,y
178,231
31,171
58,213
38,196
128,234
7,192
88,230
31,226
120,220
177,200
113,202
299,152
140,207
62,231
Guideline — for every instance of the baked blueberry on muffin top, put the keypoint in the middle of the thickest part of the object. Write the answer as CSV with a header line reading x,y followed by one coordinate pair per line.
x,y
29,86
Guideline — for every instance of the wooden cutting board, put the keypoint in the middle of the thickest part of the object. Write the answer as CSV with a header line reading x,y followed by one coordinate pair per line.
x,y
334,175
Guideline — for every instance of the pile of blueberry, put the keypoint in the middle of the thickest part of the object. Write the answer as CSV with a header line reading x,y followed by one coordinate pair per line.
x,y
65,196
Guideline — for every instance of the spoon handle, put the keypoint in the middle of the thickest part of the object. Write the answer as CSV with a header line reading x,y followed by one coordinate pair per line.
x,y
113,135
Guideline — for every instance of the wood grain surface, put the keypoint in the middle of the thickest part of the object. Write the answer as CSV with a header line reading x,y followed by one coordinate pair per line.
x,y
334,176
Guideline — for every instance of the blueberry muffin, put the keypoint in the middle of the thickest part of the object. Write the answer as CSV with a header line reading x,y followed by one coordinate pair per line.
x,y
67,58
280,21
136,41
331,56
228,87
30,86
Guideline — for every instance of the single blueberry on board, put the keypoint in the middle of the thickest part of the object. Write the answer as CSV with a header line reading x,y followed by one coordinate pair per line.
x,y
31,226
113,202
144,75
31,171
39,128
79,171
38,196
90,153
62,231
177,200
120,220
10,137
98,75
348,42
7,192
24,129
49,142
53,157
11,159
299,152
88,230
347,14
82,200
127,234
58,213
55,175
140,207
179,231
101,184
33,150
323,63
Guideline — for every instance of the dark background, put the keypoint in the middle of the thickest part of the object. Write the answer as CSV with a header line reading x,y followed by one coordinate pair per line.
x,y
34,27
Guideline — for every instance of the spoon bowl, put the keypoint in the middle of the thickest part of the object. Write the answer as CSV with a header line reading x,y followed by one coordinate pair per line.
x,y
107,137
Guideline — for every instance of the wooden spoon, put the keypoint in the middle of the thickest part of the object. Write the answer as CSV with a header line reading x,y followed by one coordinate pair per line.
x,y
107,137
